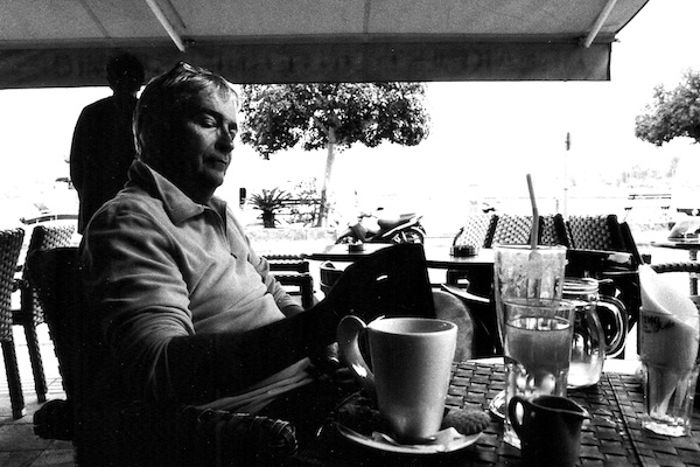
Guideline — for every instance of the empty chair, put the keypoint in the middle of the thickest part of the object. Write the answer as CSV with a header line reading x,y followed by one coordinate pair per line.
x,y
30,314
552,231
10,246
595,232
512,230
293,271
477,230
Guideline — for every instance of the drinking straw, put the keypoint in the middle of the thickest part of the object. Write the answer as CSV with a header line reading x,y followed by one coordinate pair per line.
x,y
534,262
535,214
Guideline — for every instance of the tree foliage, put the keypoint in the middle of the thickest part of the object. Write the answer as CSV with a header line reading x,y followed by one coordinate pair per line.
x,y
673,113
281,116
332,116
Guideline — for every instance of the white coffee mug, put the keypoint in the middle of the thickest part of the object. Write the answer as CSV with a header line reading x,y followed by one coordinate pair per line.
x,y
411,365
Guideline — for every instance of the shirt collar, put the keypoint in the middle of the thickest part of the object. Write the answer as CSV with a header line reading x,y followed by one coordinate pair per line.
x,y
178,206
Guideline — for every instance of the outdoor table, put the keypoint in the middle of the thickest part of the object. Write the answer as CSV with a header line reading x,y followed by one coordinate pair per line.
x,y
691,245
613,435
479,267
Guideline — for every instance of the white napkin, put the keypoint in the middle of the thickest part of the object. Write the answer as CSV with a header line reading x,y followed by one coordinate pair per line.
x,y
671,343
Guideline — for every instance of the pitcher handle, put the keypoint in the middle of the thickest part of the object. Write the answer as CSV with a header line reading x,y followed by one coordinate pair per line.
x,y
350,329
516,422
617,310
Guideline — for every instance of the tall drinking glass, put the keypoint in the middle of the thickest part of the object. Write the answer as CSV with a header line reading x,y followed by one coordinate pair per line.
x,y
537,347
521,272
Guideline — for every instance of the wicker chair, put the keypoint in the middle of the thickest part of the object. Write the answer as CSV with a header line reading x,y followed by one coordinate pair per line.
x,y
30,313
477,231
293,271
10,246
553,231
131,433
512,230
598,232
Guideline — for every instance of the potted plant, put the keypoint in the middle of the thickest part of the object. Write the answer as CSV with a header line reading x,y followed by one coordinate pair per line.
x,y
269,202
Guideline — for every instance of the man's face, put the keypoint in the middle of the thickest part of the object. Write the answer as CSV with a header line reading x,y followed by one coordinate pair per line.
x,y
203,142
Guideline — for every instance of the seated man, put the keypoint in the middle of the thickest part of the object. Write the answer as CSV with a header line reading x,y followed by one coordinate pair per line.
x,y
188,311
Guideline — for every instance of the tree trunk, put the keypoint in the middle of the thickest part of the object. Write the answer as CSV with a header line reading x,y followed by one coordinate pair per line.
x,y
330,159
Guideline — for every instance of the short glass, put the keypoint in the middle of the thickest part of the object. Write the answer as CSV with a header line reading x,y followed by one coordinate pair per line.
x,y
669,354
537,347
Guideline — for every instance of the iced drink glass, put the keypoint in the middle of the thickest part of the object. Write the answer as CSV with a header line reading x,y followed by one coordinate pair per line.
x,y
537,347
521,272
669,354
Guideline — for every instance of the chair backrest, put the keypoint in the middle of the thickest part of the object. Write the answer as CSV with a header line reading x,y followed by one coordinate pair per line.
x,y
553,231
512,230
44,237
284,262
595,232
477,231
10,246
55,276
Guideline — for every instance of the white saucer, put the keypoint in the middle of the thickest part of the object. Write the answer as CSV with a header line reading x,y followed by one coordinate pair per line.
x,y
449,440
497,406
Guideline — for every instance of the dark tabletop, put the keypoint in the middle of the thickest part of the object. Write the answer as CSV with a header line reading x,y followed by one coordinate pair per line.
x,y
612,437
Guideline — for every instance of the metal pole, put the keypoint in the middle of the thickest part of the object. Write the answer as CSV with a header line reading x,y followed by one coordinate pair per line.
x,y
565,210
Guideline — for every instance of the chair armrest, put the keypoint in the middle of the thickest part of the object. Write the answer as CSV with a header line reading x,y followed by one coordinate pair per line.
x,y
464,295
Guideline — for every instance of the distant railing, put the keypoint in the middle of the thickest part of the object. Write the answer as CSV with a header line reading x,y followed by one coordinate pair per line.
x,y
48,218
661,200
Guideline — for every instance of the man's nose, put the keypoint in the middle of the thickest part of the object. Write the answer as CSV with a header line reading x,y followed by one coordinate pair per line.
x,y
225,140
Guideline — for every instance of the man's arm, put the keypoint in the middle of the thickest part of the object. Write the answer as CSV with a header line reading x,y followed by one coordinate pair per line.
x,y
132,275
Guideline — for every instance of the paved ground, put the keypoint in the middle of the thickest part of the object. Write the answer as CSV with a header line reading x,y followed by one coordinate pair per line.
x,y
20,447
18,444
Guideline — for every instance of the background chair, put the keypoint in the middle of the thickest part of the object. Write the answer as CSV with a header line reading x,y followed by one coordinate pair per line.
x,y
10,246
512,230
553,231
597,232
30,313
293,271
477,230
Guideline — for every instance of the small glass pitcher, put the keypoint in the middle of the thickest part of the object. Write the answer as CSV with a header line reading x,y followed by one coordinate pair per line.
x,y
600,328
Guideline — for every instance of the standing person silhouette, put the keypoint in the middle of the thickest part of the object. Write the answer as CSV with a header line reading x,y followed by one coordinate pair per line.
x,y
103,141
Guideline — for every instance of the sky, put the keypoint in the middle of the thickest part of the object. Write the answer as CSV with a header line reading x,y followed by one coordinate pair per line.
x,y
484,136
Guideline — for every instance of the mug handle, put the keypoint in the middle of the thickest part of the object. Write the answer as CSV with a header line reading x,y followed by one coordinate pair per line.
x,y
515,422
350,329
616,309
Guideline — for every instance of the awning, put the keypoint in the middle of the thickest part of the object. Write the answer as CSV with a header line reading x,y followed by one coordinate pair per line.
x,y
67,42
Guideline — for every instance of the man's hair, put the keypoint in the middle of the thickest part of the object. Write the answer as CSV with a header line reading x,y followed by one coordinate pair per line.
x,y
125,68
166,97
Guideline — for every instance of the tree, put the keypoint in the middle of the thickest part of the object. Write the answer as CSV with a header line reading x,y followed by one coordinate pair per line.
x,y
673,113
333,116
